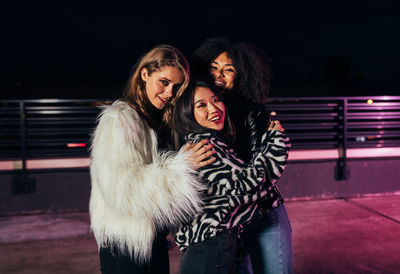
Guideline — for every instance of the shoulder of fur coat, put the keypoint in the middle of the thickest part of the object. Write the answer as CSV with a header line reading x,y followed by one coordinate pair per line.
x,y
136,190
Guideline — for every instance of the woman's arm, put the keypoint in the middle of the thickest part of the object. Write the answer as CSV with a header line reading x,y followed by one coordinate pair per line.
x,y
243,182
276,146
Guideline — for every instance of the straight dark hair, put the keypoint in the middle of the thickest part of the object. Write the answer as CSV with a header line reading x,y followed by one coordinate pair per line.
x,y
183,120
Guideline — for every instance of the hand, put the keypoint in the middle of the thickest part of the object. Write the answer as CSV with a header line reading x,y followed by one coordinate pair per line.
x,y
276,125
199,154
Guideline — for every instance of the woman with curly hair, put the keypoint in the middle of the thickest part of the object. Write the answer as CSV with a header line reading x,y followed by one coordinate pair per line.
x,y
241,72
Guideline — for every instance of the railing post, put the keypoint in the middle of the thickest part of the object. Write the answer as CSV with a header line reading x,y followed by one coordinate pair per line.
x,y
20,182
22,122
342,172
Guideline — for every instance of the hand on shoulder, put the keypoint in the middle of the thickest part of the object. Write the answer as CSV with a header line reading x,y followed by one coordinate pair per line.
x,y
200,153
276,125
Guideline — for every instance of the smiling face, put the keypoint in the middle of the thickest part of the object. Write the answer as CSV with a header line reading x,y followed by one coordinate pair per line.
x,y
162,84
223,71
209,111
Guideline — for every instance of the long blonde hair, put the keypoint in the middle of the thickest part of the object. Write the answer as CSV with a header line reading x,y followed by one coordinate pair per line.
x,y
135,91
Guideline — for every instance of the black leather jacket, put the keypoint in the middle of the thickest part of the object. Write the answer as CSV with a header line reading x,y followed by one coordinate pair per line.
x,y
251,120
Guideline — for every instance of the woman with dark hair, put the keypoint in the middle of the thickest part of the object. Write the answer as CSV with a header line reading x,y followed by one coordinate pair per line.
x,y
140,189
241,72
208,241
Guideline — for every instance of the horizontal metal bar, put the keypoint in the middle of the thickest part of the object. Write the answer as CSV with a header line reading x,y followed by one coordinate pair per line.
x,y
49,170
376,142
57,154
60,140
368,109
314,135
302,107
323,126
9,121
372,118
307,116
57,131
375,113
68,107
378,135
58,112
315,145
55,100
9,141
376,124
8,132
60,120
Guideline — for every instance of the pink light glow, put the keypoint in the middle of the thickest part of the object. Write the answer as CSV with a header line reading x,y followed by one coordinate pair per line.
x,y
76,145
58,163
351,153
9,165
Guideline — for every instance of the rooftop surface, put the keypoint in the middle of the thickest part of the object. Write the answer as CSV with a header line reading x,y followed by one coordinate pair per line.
x,y
352,235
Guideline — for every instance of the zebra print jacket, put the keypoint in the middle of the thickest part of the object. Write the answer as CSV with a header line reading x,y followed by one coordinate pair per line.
x,y
234,187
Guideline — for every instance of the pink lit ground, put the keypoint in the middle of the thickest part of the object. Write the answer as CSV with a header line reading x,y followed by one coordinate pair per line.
x,y
359,235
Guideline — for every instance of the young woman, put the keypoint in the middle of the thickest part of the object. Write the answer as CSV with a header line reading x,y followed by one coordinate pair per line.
x,y
209,239
139,190
241,73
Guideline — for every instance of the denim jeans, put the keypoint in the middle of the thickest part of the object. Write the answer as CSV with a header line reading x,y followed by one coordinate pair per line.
x,y
268,244
213,255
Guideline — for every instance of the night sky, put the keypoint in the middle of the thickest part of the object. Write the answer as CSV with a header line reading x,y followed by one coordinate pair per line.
x,y
317,48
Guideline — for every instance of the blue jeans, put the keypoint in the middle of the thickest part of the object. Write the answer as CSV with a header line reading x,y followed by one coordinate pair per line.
x,y
214,255
268,244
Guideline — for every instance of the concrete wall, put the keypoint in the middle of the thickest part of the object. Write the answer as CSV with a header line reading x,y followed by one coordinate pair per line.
x,y
54,191
70,190
316,179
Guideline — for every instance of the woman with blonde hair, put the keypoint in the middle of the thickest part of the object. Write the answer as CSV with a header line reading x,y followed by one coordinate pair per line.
x,y
141,189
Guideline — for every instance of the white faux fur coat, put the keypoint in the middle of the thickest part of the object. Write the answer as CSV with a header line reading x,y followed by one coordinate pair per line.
x,y
136,189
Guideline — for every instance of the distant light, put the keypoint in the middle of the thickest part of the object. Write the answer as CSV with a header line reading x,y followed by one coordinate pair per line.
x,y
360,138
370,101
272,113
76,145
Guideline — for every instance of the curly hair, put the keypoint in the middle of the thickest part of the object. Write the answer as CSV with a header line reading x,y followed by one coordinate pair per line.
x,y
253,74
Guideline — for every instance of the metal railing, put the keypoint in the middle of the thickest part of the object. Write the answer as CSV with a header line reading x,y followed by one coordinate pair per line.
x,y
49,128
31,129
340,122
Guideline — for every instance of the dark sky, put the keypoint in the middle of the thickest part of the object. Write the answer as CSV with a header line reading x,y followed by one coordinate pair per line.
x,y
317,48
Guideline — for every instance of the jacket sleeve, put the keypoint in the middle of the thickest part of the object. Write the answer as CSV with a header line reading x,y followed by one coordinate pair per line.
x,y
275,145
266,167
133,178
256,122
252,181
